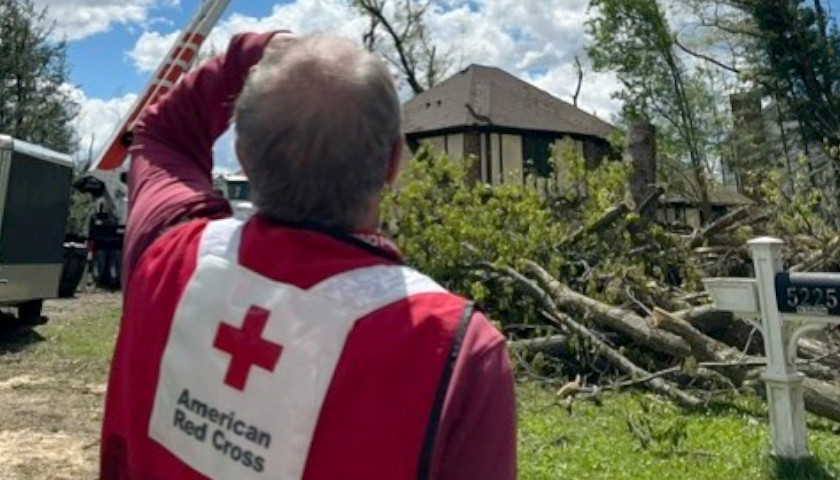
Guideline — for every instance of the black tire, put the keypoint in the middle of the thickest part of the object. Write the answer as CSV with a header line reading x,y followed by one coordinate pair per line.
x,y
30,312
75,260
105,268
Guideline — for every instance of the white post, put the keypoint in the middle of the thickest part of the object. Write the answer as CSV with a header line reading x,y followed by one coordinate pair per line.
x,y
784,384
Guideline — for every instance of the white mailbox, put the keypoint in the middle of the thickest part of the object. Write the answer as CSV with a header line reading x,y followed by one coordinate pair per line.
x,y
737,295
788,305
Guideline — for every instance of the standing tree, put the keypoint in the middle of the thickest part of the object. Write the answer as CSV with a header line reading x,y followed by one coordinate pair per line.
x,y
35,104
789,51
801,59
633,39
398,31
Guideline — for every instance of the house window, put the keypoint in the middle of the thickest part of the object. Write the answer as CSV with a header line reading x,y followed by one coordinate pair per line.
x,y
536,151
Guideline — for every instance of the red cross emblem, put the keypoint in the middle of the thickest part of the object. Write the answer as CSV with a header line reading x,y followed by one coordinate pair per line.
x,y
247,348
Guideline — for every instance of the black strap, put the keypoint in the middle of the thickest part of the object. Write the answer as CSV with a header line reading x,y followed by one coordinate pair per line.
x,y
425,464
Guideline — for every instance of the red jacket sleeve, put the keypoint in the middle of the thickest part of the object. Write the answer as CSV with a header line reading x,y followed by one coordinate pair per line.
x,y
170,179
477,432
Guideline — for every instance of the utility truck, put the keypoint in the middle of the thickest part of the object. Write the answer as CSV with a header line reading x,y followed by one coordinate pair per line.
x,y
234,187
106,179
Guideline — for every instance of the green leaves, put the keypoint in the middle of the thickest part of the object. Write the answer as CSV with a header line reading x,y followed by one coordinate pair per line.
x,y
447,224
35,104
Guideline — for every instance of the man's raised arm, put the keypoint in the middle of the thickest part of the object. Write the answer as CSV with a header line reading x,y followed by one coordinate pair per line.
x,y
172,153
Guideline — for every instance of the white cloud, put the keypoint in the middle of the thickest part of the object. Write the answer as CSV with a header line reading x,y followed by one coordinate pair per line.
x,y
300,16
99,117
77,19
150,49
97,120
536,40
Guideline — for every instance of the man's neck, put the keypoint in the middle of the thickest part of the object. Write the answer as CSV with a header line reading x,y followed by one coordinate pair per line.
x,y
370,222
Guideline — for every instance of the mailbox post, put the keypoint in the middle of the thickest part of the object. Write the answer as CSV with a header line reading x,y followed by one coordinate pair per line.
x,y
784,384
787,305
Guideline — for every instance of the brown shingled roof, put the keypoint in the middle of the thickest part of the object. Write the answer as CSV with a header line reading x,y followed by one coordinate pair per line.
x,y
488,96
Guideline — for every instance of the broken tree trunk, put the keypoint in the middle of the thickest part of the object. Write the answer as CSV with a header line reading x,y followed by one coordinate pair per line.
x,y
610,216
555,345
624,364
613,356
641,147
706,317
820,259
718,323
817,350
613,318
717,226
821,398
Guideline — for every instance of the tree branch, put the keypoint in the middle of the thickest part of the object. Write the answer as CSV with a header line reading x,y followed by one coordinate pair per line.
x,y
579,70
706,58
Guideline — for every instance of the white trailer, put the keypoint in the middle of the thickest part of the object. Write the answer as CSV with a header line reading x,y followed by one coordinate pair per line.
x,y
35,185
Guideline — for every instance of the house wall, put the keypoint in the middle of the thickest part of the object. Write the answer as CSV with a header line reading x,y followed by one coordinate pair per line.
x,y
511,158
561,177
595,151
692,217
438,144
494,165
455,145
499,156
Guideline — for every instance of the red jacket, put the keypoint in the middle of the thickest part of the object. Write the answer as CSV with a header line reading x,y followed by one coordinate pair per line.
x,y
418,388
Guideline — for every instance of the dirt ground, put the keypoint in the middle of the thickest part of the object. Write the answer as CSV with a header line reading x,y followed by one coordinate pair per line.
x,y
52,381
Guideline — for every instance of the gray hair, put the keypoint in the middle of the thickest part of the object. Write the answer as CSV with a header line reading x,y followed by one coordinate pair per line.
x,y
316,123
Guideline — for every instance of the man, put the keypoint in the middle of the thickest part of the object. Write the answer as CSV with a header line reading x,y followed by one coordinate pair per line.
x,y
295,345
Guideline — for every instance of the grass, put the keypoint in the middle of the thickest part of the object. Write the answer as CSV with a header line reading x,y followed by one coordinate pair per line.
x,y
638,436
85,339
89,340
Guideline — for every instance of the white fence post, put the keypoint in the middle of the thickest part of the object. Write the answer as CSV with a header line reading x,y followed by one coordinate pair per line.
x,y
784,384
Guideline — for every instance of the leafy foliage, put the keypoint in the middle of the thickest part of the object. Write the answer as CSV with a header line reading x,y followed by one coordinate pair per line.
x,y
800,61
447,225
444,225
35,104
633,39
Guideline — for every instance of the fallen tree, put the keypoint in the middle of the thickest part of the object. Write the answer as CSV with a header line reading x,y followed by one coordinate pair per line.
x,y
578,273
821,398
607,316
664,332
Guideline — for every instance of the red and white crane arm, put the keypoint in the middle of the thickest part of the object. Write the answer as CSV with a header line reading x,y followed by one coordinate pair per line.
x,y
178,61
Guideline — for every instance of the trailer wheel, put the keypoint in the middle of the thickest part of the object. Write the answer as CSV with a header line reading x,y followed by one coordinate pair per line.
x,y
30,312
75,261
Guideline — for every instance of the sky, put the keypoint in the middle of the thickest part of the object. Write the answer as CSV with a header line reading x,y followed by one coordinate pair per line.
x,y
114,45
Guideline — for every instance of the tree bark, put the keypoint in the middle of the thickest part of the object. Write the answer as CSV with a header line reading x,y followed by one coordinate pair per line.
x,y
610,216
700,236
613,318
821,398
554,345
641,145
624,364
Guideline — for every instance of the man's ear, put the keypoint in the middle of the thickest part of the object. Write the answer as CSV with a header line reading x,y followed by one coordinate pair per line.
x,y
394,161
